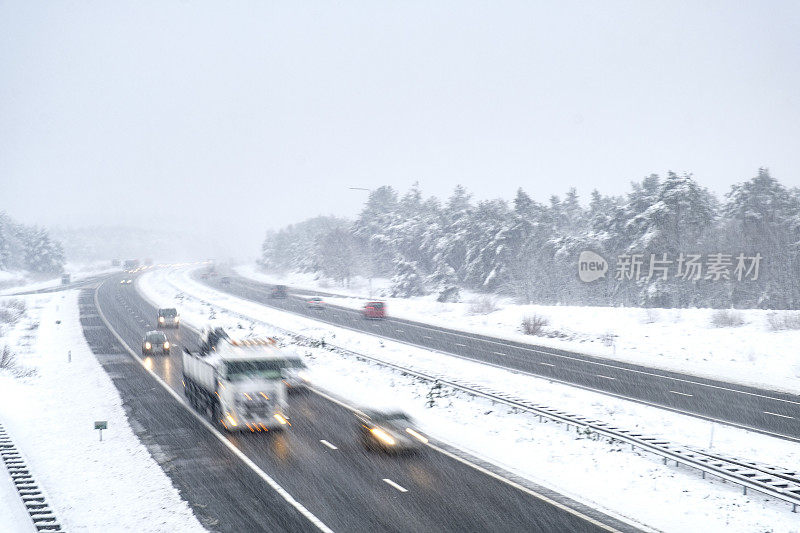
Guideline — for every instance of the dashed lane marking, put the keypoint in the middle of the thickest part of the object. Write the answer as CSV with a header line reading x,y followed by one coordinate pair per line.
x,y
395,485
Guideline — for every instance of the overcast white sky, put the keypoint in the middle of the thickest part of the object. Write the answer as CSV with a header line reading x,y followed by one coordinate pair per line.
x,y
234,117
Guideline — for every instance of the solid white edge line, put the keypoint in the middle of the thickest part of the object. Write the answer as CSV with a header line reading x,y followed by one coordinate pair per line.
x,y
681,393
246,460
499,477
395,485
475,337
558,380
328,444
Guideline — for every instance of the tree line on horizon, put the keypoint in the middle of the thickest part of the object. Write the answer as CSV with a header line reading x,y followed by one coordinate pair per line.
x,y
529,249
28,248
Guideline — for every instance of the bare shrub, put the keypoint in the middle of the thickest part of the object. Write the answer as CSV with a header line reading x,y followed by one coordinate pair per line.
x,y
483,305
783,321
7,316
534,325
7,359
17,304
608,338
8,362
727,318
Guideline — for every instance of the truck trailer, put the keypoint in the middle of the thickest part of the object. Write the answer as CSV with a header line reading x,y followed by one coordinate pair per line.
x,y
238,383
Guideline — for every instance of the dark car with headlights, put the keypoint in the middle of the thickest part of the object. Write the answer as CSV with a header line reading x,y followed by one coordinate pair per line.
x,y
389,431
168,318
155,342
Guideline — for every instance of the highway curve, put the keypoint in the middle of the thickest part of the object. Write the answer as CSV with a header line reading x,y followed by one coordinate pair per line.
x,y
346,488
765,411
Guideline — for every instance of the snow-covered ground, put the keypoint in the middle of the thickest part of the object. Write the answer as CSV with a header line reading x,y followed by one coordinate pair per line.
x,y
13,516
683,340
609,476
113,485
14,282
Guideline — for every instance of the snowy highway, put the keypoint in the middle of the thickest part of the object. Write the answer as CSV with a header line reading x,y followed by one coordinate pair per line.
x,y
318,461
770,412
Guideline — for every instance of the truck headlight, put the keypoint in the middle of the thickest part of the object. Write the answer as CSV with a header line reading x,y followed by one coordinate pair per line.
x,y
176,320
166,345
161,319
147,346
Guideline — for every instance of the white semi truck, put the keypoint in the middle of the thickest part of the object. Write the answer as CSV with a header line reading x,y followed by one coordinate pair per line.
x,y
238,383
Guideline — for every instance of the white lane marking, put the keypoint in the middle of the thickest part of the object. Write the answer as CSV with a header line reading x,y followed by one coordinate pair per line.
x,y
776,414
328,444
681,393
395,485
546,364
642,401
446,331
604,377
464,345
399,330
425,337
247,461
499,353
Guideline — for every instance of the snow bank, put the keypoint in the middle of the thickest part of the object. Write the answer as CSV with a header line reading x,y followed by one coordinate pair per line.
x,y
607,476
114,485
682,340
14,282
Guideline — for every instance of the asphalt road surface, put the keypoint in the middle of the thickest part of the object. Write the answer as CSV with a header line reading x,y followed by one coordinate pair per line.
x,y
320,462
765,411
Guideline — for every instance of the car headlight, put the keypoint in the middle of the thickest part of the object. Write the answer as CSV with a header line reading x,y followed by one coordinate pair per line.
x,y
147,346
166,345
382,435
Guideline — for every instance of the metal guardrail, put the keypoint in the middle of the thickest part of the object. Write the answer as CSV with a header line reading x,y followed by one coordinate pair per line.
x,y
782,484
29,492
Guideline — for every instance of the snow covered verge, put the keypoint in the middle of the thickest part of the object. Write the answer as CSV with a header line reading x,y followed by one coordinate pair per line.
x,y
48,406
607,476
760,351
14,282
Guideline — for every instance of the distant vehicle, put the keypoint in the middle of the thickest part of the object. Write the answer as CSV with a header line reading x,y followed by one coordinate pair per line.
x,y
278,291
375,310
168,318
225,281
391,431
131,264
315,303
155,342
126,281
65,279
296,372
115,262
238,383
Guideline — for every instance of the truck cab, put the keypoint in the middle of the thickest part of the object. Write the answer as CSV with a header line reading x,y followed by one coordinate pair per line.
x,y
238,383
